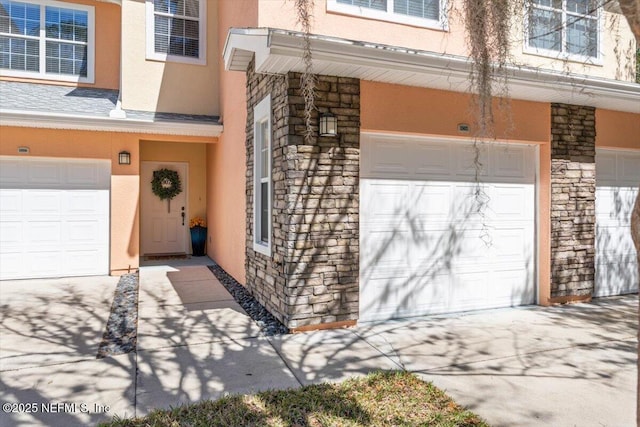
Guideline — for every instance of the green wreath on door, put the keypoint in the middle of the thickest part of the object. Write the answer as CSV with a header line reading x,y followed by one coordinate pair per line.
x,y
166,184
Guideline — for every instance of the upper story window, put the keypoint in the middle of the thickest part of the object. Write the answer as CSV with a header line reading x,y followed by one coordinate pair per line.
x,y
423,13
176,30
565,28
47,40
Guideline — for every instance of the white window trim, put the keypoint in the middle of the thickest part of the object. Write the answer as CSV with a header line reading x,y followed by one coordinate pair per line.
x,y
151,53
261,114
389,16
43,74
565,56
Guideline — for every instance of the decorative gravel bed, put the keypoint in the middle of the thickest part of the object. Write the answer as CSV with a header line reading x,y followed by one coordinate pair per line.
x,y
121,334
269,325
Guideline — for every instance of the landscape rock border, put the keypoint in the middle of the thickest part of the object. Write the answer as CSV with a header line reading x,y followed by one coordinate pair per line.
x,y
121,333
268,324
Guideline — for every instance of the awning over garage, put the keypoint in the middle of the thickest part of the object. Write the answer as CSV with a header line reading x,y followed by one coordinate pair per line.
x,y
279,51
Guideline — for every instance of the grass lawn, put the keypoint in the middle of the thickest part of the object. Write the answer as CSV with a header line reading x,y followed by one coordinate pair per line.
x,y
379,399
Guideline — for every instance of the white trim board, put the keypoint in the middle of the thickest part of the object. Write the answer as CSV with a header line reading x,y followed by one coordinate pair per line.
x,y
33,119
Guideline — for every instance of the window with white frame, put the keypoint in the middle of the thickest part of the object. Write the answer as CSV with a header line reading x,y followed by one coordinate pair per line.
x,y
565,27
425,13
47,39
262,177
176,30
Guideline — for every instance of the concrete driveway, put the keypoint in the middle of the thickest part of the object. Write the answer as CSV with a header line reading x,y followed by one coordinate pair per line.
x,y
50,331
530,366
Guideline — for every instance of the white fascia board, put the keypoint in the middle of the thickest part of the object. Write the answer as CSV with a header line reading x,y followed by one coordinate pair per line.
x,y
279,51
105,124
254,40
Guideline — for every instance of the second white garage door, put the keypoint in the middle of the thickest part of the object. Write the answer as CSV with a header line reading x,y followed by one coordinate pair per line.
x,y
424,249
54,217
617,179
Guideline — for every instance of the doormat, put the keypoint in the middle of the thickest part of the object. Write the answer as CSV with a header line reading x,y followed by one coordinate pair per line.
x,y
168,256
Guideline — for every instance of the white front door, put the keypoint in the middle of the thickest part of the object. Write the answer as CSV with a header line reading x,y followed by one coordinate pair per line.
x,y
54,217
617,178
421,240
164,223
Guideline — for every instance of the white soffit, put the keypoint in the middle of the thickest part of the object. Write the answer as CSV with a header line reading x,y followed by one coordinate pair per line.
x,y
280,51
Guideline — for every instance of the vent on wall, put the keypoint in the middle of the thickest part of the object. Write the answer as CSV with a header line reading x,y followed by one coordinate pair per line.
x,y
463,128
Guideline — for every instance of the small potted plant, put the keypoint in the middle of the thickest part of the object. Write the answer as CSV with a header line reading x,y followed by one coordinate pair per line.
x,y
198,227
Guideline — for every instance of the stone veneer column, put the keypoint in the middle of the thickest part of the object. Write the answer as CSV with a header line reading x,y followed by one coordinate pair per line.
x,y
311,279
573,187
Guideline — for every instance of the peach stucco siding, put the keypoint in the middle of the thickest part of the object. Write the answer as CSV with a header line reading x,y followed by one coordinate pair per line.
x,y
226,160
108,26
151,85
617,43
107,47
617,130
395,108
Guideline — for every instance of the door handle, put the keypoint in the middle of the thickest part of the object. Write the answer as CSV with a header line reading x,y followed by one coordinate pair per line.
x,y
183,218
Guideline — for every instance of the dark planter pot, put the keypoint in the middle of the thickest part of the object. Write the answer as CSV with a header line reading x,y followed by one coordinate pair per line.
x,y
198,240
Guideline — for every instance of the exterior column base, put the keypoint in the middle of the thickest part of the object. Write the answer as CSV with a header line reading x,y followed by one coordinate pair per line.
x,y
320,326
570,299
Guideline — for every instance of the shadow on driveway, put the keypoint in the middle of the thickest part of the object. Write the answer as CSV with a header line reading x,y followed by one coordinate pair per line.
x,y
570,365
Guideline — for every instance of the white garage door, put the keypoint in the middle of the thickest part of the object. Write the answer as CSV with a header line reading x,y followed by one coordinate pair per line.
x,y
54,217
617,181
422,242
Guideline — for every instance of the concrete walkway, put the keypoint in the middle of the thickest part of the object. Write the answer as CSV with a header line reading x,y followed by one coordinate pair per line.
x,y
529,366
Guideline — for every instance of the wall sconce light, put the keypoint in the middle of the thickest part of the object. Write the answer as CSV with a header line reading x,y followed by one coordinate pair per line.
x,y
328,125
124,158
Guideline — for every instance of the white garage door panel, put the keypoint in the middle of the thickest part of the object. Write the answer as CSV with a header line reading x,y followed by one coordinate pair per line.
x,y
617,181
465,159
54,217
432,160
421,251
44,263
629,168
11,262
43,233
388,160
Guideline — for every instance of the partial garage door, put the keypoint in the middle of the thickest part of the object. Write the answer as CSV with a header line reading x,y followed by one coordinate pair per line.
x,y
617,181
54,217
424,247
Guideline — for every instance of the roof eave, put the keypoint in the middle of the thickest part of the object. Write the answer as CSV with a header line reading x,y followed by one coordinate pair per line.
x,y
33,119
279,51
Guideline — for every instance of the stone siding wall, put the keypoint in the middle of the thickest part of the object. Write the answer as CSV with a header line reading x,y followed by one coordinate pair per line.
x,y
312,276
573,186
265,275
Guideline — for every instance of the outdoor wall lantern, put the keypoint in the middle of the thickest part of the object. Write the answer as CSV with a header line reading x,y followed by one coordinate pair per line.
x,y
328,125
124,158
